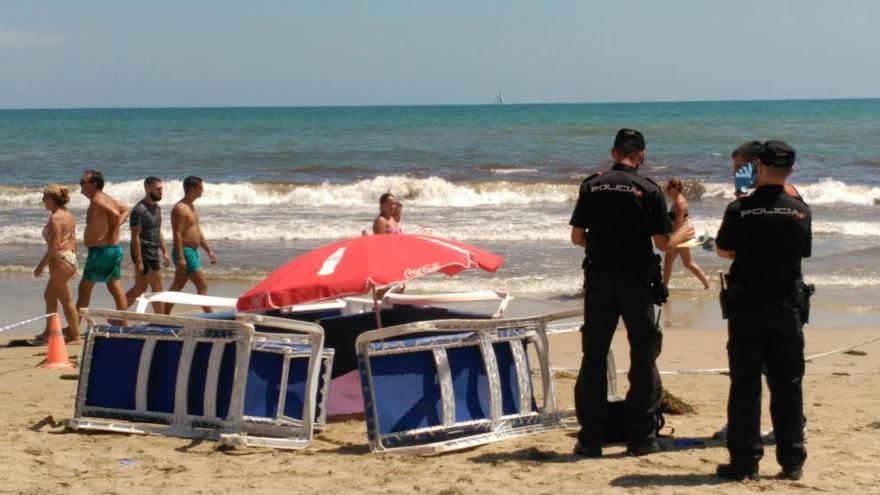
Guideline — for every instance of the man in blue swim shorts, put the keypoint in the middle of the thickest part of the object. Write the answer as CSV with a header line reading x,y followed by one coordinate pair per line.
x,y
104,218
188,239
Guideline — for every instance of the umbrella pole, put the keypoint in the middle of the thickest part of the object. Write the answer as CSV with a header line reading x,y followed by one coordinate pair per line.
x,y
376,308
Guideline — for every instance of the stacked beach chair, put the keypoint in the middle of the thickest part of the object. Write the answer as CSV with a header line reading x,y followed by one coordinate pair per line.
x,y
204,378
437,386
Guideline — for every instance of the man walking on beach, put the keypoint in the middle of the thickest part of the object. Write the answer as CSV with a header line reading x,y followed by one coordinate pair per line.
x,y
187,240
147,242
104,219
616,216
766,234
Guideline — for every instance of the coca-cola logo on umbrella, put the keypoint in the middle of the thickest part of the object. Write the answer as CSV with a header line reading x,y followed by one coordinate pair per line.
x,y
422,270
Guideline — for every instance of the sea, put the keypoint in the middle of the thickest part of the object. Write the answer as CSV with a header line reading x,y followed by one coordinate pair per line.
x,y
282,181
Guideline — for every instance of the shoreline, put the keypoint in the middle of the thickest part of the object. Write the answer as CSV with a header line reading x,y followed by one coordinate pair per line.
x,y
832,308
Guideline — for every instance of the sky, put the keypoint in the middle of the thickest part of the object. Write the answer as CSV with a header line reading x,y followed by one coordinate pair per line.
x,y
183,53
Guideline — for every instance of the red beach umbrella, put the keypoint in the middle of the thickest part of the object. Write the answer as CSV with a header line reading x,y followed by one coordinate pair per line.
x,y
360,264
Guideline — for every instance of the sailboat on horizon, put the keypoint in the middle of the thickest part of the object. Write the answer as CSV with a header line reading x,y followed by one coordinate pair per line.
x,y
499,100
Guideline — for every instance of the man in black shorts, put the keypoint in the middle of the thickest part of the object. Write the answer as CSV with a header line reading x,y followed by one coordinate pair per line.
x,y
766,234
147,242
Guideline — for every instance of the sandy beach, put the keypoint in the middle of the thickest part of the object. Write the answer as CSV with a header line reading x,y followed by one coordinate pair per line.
x,y
840,402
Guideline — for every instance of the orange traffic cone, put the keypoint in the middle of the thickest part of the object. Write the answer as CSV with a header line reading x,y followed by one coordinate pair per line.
x,y
56,357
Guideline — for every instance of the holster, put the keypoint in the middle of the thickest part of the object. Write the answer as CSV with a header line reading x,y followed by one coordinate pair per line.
x,y
659,291
724,296
805,291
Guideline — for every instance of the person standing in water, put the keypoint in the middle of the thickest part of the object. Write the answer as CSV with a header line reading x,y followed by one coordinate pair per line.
x,y
678,213
60,257
385,222
187,240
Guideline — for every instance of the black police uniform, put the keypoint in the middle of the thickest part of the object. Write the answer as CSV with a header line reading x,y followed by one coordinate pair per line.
x,y
620,211
767,305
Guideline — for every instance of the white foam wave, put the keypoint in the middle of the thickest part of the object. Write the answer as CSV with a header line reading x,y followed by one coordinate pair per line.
x,y
835,280
431,191
513,171
830,191
718,190
825,191
854,229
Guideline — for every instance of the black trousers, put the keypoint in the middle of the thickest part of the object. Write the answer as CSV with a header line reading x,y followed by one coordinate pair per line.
x,y
771,336
610,295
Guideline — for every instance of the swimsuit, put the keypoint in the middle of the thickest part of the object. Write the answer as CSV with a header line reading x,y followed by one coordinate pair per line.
x,y
103,263
68,255
191,256
393,230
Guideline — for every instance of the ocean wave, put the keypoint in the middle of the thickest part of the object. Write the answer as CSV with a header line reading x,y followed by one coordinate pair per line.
x,y
513,171
430,191
853,229
824,192
836,280
830,191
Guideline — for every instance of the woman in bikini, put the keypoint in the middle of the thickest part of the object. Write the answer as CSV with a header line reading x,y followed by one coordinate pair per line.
x,y
60,257
678,214
385,222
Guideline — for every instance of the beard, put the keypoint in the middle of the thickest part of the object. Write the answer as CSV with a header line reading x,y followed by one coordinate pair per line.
x,y
155,196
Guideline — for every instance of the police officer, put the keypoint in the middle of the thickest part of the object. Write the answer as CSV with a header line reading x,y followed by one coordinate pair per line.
x,y
766,234
617,215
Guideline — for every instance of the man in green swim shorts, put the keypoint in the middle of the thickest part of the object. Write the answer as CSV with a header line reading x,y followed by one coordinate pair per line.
x,y
104,218
187,240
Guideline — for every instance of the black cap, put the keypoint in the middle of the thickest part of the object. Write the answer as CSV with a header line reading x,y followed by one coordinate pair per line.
x,y
629,139
777,154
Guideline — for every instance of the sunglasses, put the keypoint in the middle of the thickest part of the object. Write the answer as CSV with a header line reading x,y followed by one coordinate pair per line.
x,y
83,182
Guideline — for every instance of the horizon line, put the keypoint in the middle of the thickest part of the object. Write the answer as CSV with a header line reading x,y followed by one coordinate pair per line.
x,y
207,107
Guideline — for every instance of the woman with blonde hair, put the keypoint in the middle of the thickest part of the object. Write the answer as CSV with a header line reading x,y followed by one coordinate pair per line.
x,y
60,257
678,213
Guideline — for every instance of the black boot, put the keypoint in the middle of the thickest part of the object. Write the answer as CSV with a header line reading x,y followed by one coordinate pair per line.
x,y
737,473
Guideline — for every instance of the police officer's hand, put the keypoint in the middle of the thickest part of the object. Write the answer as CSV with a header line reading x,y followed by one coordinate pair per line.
x,y
683,233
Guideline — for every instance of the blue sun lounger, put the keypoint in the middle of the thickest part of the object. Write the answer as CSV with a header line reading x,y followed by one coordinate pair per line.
x,y
437,386
204,378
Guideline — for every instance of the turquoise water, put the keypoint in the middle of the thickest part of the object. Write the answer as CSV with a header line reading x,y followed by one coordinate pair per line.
x,y
281,181
836,138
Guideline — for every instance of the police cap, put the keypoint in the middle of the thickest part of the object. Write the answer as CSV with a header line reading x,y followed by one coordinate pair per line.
x,y
776,153
629,140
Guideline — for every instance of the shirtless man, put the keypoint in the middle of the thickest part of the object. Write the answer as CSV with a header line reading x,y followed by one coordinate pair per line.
x,y
187,240
147,243
103,221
